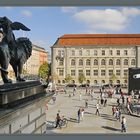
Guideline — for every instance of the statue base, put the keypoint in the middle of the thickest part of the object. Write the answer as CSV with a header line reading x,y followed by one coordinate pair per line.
x,y
18,93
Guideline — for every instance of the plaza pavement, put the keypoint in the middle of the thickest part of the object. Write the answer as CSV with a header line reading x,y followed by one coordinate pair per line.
x,y
105,123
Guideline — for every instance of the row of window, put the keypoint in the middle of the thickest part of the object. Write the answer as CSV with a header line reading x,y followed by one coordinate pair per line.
x,y
95,72
95,81
103,62
96,52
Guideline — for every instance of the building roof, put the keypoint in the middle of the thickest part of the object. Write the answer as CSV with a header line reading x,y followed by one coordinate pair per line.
x,y
98,39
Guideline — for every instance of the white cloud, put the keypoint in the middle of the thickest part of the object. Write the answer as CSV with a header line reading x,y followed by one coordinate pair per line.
x,y
8,8
69,9
108,19
26,13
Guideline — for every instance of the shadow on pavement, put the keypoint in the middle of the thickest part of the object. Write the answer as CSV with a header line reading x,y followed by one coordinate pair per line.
x,y
111,128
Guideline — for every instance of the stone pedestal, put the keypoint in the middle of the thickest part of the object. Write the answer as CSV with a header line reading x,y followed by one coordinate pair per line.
x,y
23,108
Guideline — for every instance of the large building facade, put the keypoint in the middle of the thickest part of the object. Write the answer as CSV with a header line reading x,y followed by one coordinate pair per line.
x,y
102,58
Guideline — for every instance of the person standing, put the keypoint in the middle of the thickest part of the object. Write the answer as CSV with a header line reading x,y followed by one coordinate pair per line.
x,y
97,109
82,114
74,90
79,114
86,103
123,124
58,118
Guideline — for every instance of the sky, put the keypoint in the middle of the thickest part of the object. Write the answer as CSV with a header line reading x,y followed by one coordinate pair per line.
x,y
47,24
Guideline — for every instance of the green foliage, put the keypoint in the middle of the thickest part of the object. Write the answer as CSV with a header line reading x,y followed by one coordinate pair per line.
x,y
68,78
44,70
81,78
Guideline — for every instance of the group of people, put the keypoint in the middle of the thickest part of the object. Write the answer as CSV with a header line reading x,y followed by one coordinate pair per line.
x,y
80,114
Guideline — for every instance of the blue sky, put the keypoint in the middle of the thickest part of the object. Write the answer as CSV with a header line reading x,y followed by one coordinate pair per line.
x,y
49,23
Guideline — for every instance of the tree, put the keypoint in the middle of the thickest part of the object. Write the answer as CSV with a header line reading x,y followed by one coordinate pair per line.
x,y
113,78
44,70
81,78
68,78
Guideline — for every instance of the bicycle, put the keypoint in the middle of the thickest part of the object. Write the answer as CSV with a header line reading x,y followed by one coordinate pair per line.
x,y
63,122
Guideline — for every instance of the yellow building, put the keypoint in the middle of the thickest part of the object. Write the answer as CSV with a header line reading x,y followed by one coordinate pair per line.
x,y
102,58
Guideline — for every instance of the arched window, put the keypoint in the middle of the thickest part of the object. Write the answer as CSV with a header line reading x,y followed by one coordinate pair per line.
x,y
133,62
88,62
73,62
118,62
102,62
95,62
103,81
63,81
88,81
110,62
118,81
125,62
59,82
95,82
73,81
80,62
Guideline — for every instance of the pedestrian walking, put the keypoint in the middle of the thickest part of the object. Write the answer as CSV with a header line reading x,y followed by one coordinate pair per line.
x,y
86,103
82,114
79,114
113,110
123,99
123,124
74,90
97,109
58,118
118,101
119,115
105,102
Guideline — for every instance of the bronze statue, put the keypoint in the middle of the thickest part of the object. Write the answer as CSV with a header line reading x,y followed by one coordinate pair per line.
x,y
18,50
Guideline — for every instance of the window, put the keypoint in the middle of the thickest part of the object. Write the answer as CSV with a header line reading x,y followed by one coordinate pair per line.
x,y
118,72
95,62
80,72
133,62
118,52
88,62
63,81
87,72
125,72
110,72
62,53
95,52
80,52
95,72
118,62
95,81
103,81
59,53
110,52
118,81
88,52
72,62
73,53
80,62
102,72
102,62
61,62
103,52
61,72
72,72
110,62
125,52
125,62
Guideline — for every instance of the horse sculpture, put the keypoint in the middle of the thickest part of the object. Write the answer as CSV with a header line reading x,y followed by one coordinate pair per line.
x,y
20,49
